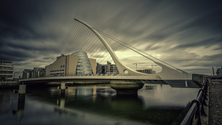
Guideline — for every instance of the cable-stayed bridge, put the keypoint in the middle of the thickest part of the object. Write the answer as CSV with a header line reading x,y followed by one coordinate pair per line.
x,y
83,37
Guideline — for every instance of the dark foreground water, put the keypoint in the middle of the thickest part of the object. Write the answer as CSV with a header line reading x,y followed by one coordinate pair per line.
x,y
96,105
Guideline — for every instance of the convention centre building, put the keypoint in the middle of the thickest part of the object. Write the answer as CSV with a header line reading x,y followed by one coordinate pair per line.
x,y
77,63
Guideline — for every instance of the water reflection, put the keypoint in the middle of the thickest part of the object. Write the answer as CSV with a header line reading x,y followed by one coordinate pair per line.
x,y
151,87
6,98
11,103
154,104
21,106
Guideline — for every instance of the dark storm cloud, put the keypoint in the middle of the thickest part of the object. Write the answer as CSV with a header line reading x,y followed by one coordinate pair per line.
x,y
207,42
28,45
210,22
40,60
22,30
98,56
183,23
19,17
20,50
19,63
152,47
48,58
208,61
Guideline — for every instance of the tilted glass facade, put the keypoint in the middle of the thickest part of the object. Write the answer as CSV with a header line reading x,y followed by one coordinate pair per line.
x,y
83,66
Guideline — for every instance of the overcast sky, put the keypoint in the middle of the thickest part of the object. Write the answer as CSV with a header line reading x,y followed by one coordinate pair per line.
x,y
186,34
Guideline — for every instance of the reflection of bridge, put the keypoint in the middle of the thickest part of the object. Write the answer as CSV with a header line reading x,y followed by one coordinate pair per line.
x,y
93,102
169,73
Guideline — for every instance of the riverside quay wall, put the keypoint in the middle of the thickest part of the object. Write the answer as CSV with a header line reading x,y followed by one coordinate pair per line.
x,y
215,102
9,84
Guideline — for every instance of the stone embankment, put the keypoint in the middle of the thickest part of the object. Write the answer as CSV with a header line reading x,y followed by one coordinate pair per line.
x,y
215,102
9,84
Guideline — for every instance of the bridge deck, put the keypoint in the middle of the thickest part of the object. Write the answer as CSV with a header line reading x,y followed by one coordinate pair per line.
x,y
117,77
181,83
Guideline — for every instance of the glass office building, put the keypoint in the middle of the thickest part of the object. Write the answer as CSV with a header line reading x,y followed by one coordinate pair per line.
x,y
83,66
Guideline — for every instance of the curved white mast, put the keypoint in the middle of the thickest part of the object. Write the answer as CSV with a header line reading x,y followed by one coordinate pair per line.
x,y
121,67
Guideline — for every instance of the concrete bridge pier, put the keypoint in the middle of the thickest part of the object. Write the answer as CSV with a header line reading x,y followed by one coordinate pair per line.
x,y
126,87
62,88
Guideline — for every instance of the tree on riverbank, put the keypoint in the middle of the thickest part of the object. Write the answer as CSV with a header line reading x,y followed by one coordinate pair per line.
x,y
2,78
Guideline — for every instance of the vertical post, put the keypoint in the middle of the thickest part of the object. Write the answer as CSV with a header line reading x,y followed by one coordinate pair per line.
x,y
186,83
22,89
213,70
63,88
21,101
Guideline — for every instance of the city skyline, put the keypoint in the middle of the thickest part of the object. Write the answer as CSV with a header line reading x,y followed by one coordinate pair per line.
x,y
186,35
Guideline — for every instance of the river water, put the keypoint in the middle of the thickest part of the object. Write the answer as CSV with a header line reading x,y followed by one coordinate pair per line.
x,y
155,104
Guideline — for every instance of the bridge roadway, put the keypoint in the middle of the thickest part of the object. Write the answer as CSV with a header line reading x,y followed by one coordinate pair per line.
x,y
151,78
92,77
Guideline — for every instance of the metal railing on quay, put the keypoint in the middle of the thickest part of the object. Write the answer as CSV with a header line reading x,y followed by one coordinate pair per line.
x,y
197,107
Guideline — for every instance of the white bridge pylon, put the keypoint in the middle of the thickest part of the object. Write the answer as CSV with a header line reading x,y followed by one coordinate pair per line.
x,y
167,72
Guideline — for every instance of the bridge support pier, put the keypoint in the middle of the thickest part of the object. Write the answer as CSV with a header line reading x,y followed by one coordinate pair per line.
x,y
63,88
126,87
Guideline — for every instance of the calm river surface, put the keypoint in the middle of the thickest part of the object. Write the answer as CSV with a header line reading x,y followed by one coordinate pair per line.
x,y
96,105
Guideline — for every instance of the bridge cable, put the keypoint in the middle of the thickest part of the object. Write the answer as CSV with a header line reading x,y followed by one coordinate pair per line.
x,y
73,39
136,50
82,44
64,47
64,40
78,37
77,40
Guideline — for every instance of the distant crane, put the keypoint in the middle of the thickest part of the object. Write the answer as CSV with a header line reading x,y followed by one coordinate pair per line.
x,y
142,63
213,70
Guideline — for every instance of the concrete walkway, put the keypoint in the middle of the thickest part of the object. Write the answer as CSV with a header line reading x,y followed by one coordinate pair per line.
x,y
215,102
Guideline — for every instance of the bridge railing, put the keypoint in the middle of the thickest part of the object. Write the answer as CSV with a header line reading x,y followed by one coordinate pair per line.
x,y
109,75
152,76
197,107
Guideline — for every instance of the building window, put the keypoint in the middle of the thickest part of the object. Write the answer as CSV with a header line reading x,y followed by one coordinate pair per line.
x,y
57,74
83,64
57,70
61,66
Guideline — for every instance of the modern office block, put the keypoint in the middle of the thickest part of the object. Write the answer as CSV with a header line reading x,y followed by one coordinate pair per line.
x,y
38,72
33,73
147,71
106,68
6,70
27,73
219,71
